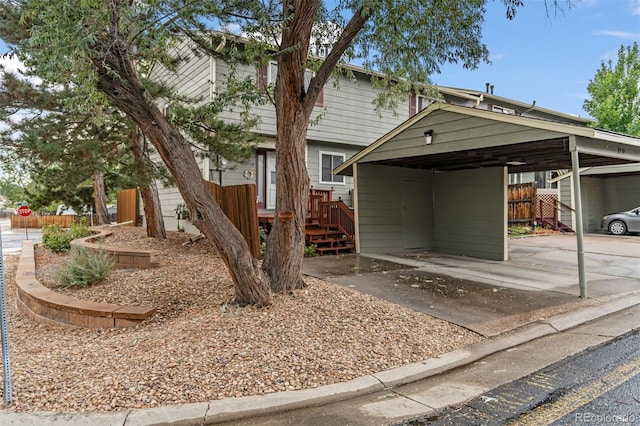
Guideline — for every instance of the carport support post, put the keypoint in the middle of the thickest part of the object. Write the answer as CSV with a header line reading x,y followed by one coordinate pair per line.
x,y
575,165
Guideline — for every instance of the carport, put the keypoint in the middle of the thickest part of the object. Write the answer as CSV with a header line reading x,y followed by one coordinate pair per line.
x,y
605,189
438,182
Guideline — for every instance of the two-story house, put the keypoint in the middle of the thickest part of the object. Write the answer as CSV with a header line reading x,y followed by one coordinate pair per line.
x,y
349,123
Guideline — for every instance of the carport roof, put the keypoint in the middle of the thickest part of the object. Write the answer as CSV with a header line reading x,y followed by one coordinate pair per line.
x,y
465,138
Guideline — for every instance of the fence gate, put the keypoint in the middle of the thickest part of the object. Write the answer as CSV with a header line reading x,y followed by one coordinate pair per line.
x,y
522,204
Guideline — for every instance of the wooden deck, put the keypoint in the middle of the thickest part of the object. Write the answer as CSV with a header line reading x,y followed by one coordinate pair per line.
x,y
330,224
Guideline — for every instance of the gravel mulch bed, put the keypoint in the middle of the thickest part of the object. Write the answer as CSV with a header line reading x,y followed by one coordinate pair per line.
x,y
199,346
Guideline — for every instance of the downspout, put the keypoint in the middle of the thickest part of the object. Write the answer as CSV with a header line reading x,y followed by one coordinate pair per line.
x,y
575,165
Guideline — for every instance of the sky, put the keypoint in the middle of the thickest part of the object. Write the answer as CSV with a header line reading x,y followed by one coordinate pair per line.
x,y
546,56
549,58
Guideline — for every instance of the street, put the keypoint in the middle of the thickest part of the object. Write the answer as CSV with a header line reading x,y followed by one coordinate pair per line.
x,y
12,238
599,385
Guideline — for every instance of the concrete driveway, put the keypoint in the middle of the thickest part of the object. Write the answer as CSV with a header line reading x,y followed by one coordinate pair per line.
x,y
539,279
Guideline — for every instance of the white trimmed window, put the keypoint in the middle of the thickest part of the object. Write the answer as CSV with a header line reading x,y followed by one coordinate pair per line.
x,y
417,103
328,162
270,72
273,72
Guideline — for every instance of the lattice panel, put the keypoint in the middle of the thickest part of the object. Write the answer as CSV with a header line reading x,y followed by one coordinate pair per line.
x,y
547,207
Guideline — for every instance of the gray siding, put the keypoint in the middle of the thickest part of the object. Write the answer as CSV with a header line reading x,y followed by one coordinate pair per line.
x,y
601,195
452,133
470,213
381,221
592,203
348,114
169,199
234,173
313,167
564,194
621,193
192,77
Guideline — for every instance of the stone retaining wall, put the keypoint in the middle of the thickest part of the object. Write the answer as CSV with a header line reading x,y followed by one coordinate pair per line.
x,y
45,305
122,258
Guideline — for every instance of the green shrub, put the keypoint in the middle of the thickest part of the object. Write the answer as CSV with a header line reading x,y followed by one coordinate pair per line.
x,y
263,241
59,239
310,251
85,267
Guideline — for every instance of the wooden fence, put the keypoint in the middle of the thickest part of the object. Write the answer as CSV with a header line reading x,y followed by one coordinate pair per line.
x,y
522,204
127,206
238,202
37,221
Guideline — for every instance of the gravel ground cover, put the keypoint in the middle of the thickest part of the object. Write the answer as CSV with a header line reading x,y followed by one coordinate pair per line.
x,y
199,346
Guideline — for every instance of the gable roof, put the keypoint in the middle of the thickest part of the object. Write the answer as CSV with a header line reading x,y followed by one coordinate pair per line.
x,y
465,137
455,91
632,169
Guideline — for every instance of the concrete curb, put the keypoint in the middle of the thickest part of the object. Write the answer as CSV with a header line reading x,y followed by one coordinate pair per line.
x,y
238,408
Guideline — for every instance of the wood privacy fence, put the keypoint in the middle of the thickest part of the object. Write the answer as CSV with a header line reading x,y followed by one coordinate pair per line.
x,y
37,221
127,206
522,204
238,202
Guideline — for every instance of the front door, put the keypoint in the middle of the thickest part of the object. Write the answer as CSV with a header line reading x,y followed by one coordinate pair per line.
x,y
271,179
266,179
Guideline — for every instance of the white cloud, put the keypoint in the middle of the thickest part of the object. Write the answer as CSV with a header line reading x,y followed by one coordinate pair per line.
x,y
619,34
12,64
497,56
635,7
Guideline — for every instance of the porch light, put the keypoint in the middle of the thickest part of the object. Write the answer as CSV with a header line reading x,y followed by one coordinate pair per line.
x,y
516,163
428,136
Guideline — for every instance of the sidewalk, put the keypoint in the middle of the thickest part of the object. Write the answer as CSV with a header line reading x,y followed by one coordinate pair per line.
x,y
394,395
512,349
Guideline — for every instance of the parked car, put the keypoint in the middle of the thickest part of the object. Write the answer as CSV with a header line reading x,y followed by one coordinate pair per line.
x,y
621,223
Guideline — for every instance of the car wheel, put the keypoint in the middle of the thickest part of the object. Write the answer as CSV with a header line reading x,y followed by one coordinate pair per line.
x,y
617,228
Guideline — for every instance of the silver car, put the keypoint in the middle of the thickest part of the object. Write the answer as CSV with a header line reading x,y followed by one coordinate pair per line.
x,y
621,223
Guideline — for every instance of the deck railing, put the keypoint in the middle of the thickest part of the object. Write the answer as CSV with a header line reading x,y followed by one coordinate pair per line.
x,y
336,214
317,196
553,220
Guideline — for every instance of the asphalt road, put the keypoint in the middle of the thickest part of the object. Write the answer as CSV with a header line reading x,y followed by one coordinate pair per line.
x,y
599,385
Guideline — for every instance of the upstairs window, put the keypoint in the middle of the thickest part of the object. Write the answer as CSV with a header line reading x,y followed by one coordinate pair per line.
x,y
267,75
328,162
417,103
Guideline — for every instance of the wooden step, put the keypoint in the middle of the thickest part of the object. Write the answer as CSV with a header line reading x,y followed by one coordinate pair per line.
x,y
335,249
322,234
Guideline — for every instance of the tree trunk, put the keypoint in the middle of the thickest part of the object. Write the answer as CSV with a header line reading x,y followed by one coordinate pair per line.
x,y
285,246
127,93
149,193
100,198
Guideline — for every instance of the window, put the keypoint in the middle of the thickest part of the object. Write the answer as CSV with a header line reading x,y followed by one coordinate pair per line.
x,y
417,103
328,162
267,75
273,72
